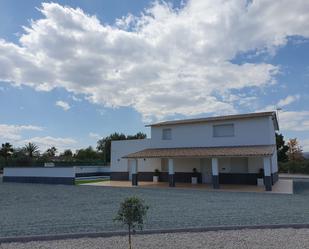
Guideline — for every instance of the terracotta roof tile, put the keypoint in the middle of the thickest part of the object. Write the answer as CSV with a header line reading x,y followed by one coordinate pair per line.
x,y
200,152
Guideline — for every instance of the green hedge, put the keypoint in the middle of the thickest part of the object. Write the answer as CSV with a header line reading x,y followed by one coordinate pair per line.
x,y
300,167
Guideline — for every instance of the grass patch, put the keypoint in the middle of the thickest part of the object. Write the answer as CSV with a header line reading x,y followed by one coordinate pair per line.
x,y
78,182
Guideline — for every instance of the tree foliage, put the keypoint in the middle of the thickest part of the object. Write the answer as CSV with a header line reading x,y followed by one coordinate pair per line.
x,y
295,152
67,155
132,213
88,153
50,153
282,148
6,151
104,144
31,150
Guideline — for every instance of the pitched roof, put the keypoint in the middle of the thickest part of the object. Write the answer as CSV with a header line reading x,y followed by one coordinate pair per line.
x,y
220,118
200,152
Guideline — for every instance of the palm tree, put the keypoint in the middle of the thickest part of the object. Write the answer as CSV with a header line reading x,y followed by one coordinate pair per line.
x,y
6,151
31,149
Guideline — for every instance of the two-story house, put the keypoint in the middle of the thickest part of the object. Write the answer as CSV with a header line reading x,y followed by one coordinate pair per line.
x,y
234,149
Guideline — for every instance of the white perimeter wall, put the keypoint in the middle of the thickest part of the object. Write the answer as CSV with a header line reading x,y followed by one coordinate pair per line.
x,y
91,169
40,172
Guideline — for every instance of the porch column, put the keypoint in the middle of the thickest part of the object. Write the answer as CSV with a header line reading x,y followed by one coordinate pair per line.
x,y
171,173
215,172
134,172
267,173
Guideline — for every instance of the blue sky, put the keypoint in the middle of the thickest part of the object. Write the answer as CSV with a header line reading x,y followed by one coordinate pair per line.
x,y
74,75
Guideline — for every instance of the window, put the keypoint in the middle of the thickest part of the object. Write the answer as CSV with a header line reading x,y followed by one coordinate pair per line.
x,y
167,134
225,130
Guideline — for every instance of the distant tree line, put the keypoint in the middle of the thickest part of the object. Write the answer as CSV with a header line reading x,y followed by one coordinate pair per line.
x,y
30,154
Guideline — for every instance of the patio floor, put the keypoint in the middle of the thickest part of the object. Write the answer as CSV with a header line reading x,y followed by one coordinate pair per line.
x,y
281,187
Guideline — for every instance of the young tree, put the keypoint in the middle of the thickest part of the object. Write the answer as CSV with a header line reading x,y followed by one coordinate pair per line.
x,y
6,151
282,148
131,214
295,152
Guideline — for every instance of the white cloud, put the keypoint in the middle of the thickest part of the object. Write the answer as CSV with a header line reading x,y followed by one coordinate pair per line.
x,y
294,120
64,105
281,103
48,141
76,98
13,132
94,135
305,144
288,100
162,62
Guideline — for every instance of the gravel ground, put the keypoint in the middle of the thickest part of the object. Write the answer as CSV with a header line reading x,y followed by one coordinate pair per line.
x,y
34,209
240,239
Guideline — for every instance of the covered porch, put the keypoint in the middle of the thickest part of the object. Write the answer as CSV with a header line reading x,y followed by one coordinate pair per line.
x,y
219,167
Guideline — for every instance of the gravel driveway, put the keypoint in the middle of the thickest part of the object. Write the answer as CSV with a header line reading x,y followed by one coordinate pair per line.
x,y
241,239
34,209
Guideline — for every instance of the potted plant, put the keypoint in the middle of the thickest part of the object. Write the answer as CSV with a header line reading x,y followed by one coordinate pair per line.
x,y
260,179
156,175
194,177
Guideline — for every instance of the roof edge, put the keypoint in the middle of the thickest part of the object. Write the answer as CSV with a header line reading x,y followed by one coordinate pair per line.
x,y
219,118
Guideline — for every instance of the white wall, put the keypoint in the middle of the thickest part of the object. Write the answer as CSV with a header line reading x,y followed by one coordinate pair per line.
x,y
91,169
274,162
255,164
186,164
253,131
124,147
40,172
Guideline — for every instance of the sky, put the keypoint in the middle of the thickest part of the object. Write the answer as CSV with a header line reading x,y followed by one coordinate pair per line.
x,y
72,72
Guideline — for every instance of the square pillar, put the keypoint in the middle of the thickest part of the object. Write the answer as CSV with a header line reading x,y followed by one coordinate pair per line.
x,y
215,173
134,172
171,173
267,173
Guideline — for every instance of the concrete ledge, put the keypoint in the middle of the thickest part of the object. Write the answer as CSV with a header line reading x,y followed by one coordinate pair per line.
x,y
23,239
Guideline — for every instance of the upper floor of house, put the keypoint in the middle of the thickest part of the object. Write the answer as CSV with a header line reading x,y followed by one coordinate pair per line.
x,y
231,130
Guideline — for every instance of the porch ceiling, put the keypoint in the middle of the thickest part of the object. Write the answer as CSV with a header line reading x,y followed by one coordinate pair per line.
x,y
201,152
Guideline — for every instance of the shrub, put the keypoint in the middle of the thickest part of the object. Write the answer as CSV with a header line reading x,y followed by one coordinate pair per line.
x,y
300,167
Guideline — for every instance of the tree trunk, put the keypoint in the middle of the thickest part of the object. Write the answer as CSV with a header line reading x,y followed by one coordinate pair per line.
x,y
130,245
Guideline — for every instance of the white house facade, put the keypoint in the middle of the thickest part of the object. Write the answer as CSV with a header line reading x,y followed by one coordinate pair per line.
x,y
234,149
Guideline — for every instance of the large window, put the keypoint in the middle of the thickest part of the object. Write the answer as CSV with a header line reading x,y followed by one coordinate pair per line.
x,y
224,130
167,134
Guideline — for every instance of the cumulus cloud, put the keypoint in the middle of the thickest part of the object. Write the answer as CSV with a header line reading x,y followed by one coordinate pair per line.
x,y
294,120
165,61
281,103
288,100
48,141
13,132
64,105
